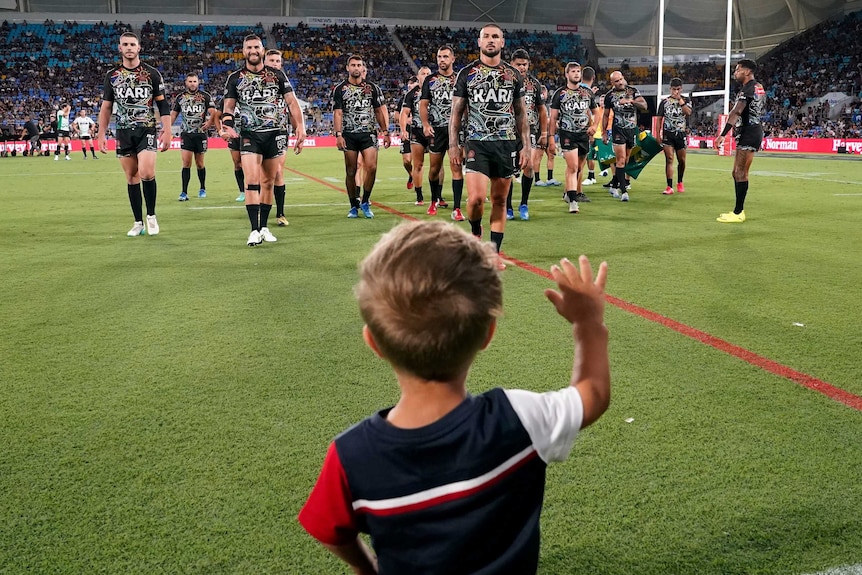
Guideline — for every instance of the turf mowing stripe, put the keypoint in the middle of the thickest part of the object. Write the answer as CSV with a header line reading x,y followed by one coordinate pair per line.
x,y
754,359
843,570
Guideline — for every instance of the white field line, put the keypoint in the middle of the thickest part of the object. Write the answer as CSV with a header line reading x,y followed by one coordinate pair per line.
x,y
843,570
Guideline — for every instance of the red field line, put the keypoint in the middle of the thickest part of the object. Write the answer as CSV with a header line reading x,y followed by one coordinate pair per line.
x,y
750,357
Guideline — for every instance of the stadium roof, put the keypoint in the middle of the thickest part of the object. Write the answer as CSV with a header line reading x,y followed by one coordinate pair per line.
x,y
619,27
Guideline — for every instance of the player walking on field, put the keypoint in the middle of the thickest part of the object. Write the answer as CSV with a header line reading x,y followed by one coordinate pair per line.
x,y
672,113
84,126
134,88
195,105
257,94
498,136
356,105
745,119
624,101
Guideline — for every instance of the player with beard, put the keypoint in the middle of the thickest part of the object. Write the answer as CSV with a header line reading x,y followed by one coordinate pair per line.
x,y
745,119
625,101
356,103
134,87
672,113
435,108
194,104
256,94
83,126
274,59
418,141
572,109
403,126
537,116
492,94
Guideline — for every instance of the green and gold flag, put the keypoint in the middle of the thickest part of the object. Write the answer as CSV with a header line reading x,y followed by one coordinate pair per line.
x,y
645,150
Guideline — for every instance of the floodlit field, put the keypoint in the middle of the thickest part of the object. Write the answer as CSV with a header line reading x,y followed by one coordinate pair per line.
x,y
166,402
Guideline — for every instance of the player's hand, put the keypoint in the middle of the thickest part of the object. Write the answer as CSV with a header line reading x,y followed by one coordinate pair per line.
x,y
165,141
300,140
339,142
387,141
428,131
230,132
524,158
717,142
605,137
579,298
103,144
552,147
455,155
591,131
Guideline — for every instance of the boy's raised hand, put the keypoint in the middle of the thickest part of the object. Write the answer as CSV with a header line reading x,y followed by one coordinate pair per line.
x,y
580,299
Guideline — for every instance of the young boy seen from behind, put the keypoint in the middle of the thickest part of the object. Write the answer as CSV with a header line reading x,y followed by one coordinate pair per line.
x,y
446,482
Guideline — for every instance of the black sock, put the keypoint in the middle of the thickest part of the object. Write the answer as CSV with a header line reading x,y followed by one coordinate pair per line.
x,y
354,201
93,151
440,187
279,200
410,179
457,192
186,176
136,201
149,187
264,214
240,180
741,192
591,175
571,195
366,196
419,196
436,190
476,227
253,215
526,186
680,170
202,177
509,195
550,174
497,238
670,182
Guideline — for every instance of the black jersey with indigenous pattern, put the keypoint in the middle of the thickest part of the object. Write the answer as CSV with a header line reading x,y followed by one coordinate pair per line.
x,y
572,105
259,98
134,91
754,96
411,102
532,101
490,92
625,115
193,107
438,89
674,117
357,103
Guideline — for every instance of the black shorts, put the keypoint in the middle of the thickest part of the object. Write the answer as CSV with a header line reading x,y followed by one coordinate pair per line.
x,y
233,144
675,139
750,138
534,140
196,143
626,136
579,141
133,141
440,141
405,145
63,134
358,141
86,137
418,138
267,144
495,159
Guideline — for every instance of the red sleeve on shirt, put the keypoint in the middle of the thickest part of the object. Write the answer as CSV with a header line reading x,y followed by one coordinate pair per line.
x,y
328,514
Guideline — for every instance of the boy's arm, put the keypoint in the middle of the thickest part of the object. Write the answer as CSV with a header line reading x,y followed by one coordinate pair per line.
x,y
581,300
356,554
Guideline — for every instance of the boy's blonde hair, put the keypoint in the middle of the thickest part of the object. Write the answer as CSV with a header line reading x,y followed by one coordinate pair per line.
x,y
429,293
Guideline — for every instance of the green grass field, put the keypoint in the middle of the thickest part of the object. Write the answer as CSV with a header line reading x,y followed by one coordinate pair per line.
x,y
166,402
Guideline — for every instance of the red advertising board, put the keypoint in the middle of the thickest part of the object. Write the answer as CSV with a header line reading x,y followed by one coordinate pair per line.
x,y
798,145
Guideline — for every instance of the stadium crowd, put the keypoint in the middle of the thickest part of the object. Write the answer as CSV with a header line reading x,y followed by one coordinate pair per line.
x,y
42,65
